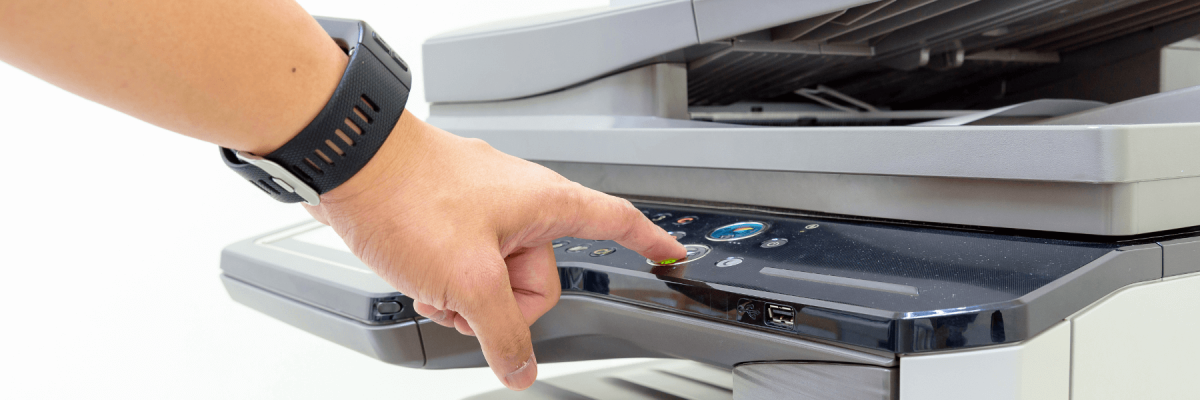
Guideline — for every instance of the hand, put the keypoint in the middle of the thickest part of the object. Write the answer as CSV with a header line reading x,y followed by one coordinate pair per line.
x,y
465,231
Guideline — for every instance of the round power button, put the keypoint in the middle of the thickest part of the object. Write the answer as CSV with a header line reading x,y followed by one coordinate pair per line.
x,y
694,252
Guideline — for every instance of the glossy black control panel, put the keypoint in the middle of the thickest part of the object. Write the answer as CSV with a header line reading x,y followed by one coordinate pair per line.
x,y
886,287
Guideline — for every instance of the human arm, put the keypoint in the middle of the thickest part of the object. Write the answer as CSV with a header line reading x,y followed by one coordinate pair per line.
x,y
449,221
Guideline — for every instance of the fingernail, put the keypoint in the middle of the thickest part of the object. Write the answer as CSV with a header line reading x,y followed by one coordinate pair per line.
x,y
438,316
522,378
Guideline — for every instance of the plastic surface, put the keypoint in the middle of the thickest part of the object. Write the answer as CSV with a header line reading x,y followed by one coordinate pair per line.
x,y
1173,107
365,107
671,379
972,289
585,327
1108,361
1181,256
330,279
1085,154
1100,180
814,381
857,291
398,344
720,19
657,90
515,59
1038,369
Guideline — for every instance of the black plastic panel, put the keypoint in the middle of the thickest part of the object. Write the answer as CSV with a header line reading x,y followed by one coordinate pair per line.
x,y
893,288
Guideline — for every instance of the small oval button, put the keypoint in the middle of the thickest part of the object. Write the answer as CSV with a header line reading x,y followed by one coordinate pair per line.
x,y
773,243
729,262
602,252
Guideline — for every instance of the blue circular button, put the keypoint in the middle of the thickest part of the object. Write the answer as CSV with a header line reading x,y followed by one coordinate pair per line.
x,y
740,230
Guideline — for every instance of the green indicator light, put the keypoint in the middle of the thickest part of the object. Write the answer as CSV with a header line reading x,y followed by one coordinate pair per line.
x,y
667,261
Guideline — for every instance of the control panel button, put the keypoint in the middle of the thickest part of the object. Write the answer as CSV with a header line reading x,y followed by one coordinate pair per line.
x,y
388,307
812,226
694,252
773,243
577,249
729,262
660,217
677,235
686,220
560,243
603,252
740,230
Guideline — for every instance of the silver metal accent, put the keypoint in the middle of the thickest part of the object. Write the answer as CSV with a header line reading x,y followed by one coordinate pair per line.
x,y
811,226
729,262
765,225
812,94
278,172
706,252
1014,55
284,185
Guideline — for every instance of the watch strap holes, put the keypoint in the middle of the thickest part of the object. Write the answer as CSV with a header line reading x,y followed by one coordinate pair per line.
x,y
361,115
259,187
266,185
370,104
313,165
323,156
354,127
345,138
301,174
335,148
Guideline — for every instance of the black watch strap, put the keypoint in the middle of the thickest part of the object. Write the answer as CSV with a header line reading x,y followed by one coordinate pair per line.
x,y
347,133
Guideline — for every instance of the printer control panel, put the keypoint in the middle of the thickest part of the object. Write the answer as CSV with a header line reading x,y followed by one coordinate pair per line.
x,y
843,280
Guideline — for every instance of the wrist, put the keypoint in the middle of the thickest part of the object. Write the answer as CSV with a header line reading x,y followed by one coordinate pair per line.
x,y
410,141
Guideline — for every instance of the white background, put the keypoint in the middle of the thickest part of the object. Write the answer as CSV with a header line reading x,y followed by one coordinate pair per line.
x,y
112,230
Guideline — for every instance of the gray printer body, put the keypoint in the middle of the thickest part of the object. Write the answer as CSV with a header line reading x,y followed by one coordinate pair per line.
x,y
956,198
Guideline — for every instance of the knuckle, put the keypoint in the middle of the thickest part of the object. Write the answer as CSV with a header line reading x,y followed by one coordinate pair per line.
x,y
478,144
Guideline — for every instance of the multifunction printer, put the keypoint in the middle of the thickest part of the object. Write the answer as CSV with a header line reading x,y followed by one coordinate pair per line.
x,y
895,199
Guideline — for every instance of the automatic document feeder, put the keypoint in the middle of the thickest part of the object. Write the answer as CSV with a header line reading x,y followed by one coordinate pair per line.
x,y
897,199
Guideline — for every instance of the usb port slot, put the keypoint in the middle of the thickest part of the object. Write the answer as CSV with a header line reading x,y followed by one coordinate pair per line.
x,y
781,316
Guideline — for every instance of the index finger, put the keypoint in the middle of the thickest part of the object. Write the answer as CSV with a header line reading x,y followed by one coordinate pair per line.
x,y
604,217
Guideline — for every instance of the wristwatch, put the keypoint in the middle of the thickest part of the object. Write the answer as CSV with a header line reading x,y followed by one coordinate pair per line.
x,y
345,135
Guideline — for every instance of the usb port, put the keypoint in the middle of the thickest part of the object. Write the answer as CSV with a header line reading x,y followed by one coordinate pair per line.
x,y
781,316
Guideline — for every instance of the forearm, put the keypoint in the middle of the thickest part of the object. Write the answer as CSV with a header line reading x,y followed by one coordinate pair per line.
x,y
245,74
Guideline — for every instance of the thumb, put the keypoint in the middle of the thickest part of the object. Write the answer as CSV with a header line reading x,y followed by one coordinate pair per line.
x,y
491,310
